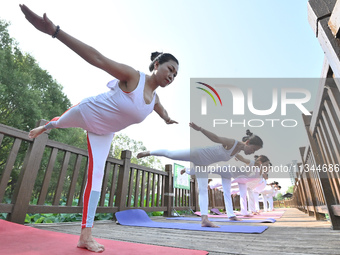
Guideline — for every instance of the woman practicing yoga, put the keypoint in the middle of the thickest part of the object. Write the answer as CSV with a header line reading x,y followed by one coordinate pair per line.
x,y
256,169
130,100
225,149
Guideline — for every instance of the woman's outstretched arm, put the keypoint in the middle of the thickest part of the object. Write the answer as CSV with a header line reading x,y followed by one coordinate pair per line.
x,y
242,159
226,142
162,112
44,24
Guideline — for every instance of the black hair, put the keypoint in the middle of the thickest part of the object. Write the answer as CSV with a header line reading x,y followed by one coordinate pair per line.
x,y
161,58
253,139
279,187
263,158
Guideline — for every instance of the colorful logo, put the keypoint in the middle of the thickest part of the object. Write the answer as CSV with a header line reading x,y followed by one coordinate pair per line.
x,y
209,93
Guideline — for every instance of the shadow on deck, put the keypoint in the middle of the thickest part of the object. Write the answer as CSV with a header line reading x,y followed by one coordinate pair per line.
x,y
293,233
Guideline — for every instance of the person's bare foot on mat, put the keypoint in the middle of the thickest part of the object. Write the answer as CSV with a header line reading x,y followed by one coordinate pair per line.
x,y
207,223
86,241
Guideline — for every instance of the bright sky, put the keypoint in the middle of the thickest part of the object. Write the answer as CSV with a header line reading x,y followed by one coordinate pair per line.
x,y
211,39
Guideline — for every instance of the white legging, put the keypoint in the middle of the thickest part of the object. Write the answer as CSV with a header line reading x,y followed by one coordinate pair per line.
x,y
71,118
98,150
202,177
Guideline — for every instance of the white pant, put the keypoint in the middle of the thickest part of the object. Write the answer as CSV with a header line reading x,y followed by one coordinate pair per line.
x,y
201,177
251,200
98,150
267,201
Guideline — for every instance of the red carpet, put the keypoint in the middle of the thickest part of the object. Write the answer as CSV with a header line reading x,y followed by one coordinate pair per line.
x,y
20,239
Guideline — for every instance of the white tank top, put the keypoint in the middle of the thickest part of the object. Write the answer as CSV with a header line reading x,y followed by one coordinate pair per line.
x,y
260,186
115,110
212,154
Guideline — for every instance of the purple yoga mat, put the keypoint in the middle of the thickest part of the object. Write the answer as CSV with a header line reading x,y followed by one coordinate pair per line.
x,y
268,220
261,216
139,218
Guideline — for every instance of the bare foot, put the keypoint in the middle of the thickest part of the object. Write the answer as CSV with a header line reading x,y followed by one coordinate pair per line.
x,y
248,215
207,223
143,154
36,132
182,171
234,218
86,241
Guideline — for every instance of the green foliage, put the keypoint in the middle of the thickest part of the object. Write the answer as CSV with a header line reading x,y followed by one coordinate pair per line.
x,y
155,213
3,216
27,93
290,189
278,197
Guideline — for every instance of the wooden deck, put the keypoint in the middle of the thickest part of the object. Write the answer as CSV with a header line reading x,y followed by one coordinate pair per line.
x,y
294,233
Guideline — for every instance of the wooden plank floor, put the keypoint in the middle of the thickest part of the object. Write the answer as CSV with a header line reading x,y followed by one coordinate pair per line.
x,y
293,233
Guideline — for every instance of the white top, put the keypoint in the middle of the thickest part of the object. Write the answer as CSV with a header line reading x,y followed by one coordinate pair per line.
x,y
212,154
260,186
268,190
115,110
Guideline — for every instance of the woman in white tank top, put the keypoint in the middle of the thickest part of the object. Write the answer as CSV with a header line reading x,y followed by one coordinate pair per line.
x,y
131,99
224,150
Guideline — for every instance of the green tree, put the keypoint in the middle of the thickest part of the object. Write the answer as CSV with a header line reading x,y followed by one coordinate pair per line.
x,y
28,94
290,189
278,197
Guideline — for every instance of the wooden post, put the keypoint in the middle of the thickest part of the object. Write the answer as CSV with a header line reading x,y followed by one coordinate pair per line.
x,y
334,20
304,194
24,187
193,196
123,181
319,13
311,187
196,195
168,191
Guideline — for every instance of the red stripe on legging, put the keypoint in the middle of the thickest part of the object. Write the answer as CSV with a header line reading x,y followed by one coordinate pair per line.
x,y
88,184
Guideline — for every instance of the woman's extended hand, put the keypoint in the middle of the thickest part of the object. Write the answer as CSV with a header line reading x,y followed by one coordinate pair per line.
x,y
43,24
170,121
194,126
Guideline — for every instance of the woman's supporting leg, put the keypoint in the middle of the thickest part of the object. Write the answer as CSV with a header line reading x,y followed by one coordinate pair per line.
x,y
271,203
256,201
202,181
251,200
265,202
243,198
98,150
226,184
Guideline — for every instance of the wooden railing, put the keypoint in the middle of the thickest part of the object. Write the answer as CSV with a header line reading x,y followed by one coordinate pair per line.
x,y
283,203
44,176
317,187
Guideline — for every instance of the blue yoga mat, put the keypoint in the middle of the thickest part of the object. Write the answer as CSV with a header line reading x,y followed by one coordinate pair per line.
x,y
139,218
269,220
